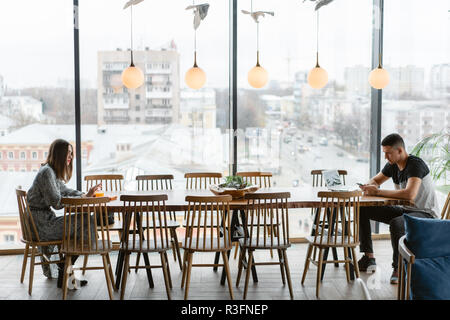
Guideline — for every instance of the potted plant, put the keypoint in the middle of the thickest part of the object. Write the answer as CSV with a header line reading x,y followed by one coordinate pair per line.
x,y
234,186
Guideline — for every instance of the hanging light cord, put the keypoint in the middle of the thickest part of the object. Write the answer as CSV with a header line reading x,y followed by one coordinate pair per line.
x,y
317,41
195,42
132,64
257,35
379,45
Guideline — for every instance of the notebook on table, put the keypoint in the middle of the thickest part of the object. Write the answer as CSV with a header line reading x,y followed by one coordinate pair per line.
x,y
333,181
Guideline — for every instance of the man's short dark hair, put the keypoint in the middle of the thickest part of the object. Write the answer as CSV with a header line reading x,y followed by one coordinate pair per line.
x,y
393,140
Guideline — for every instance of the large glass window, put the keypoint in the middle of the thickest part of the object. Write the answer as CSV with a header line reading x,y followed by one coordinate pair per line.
x,y
289,128
36,96
416,103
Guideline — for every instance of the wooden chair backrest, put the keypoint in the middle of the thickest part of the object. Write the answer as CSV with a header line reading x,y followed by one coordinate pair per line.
x,y
142,211
261,179
110,182
29,230
338,209
81,213
155,182
201,180
317,175
263,211
208,219
446,209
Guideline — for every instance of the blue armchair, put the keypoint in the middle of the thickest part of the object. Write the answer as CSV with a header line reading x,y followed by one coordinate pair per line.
x,y
424,259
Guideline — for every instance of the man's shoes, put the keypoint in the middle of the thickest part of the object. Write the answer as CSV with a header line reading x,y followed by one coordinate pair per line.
x,y
366,264
394,277
60,279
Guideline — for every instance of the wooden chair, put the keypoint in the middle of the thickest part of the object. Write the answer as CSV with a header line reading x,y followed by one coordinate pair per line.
x,y
110,182
162,182
337,209
81,215
317,176
406,259
146,230
201,180
30,237
261,179
264,209
207,230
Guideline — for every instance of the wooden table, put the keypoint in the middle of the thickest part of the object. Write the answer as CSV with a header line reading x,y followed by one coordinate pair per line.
x,y
305,197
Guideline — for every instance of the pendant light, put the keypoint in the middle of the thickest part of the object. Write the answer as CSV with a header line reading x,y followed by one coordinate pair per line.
x,y
317,77
379,77
195,77
257,76
132,77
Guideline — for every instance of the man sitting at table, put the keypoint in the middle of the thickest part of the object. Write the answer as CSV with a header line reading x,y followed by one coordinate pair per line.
x,y
412,182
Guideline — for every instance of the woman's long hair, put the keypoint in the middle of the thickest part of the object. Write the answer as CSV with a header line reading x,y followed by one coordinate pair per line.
x,y
57,159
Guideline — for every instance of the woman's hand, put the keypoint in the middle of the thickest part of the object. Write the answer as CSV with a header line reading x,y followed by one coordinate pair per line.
x,y
92,190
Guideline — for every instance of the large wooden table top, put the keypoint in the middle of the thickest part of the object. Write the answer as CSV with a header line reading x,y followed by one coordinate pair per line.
x,y
305,197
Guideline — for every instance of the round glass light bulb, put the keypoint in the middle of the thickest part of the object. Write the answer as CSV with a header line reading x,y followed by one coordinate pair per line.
x,y
195,78
258,77
318,78
379,78
132,77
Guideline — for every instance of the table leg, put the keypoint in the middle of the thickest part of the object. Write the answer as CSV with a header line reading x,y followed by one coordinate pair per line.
x,y
149,271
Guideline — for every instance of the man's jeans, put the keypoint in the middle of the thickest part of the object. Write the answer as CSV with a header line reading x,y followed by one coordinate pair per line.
x,y
392,215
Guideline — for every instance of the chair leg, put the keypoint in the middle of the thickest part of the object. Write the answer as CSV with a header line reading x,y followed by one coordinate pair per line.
x,y
185,263
240,266
24,263
307,261
177,248
188,275
164,267
236,249
269,232
168,270
319,272
111,275
355,263
347,267
227,270
335,256
124,275
108,280
400,278
138,257
67,263
85,261
30,282
247,275
288,273
281,259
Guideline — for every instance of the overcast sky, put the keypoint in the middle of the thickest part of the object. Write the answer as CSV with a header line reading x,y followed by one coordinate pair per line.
x,y
36,37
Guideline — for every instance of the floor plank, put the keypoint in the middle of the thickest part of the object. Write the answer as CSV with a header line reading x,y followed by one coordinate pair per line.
x,y
205,284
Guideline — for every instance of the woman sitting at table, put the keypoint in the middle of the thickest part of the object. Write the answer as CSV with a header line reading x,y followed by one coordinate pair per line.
x,y
46,191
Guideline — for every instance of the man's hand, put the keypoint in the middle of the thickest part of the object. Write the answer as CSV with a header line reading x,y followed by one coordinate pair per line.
x,y
370,190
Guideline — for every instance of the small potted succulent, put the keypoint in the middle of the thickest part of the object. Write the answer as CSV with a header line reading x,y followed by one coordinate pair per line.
x,y
234,186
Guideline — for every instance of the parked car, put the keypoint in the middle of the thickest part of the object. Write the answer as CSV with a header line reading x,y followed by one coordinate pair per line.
x,y
365,160
310,139
323,142
340,154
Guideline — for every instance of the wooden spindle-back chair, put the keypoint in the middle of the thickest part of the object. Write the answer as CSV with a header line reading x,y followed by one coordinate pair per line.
x,y
86,232
30,237
146,230
261,179
337,210
262,211
208,222
201,180
318,177
162,182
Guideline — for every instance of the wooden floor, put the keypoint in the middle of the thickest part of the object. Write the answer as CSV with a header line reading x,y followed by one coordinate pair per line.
x,y
205,283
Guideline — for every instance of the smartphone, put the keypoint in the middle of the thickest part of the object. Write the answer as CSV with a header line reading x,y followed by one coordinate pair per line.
x,y
360,184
